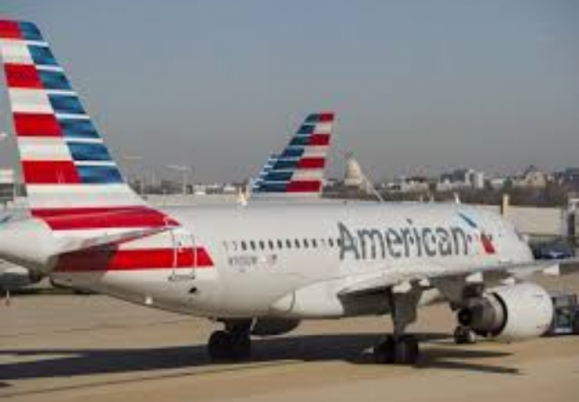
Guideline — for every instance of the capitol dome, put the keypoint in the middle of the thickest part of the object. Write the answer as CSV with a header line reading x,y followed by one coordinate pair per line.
x,y
353,176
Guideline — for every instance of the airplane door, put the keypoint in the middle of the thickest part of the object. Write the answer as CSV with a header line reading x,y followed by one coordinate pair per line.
x,y
184,256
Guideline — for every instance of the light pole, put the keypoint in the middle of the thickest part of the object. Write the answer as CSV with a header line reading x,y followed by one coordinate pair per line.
x,y
185,170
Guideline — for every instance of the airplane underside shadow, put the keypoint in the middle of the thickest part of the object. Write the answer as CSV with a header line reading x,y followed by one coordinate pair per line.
x,y
307,348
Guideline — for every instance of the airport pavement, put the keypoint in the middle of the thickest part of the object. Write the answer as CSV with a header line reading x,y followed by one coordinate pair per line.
x,y
93,348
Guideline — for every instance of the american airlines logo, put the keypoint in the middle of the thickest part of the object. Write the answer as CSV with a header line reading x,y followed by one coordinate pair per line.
x,y
403,242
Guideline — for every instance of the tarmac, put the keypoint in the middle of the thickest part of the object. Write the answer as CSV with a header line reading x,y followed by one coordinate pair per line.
x,y
93,348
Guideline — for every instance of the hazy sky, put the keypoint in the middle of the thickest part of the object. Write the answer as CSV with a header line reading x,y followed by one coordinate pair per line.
x,y
417,85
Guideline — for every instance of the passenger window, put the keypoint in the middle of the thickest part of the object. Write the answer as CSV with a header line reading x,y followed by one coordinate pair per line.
x,y
279,244
297,243
262,244
306,244
331,242
270,244
243,246
288,243
314,243
252,245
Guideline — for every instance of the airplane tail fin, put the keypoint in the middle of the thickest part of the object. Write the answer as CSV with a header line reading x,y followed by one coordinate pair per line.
x,y
67,168
299,169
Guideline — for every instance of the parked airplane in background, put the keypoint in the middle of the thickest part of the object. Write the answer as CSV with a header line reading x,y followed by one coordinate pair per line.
x,y
298,171
258,269
13,276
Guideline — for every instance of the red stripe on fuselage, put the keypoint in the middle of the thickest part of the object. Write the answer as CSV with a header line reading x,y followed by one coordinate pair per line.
x,y
103,260
22,76
103,218
50,172
36,125
10,30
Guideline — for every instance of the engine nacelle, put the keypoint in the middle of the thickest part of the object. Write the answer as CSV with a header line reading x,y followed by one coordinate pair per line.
x,y
509,313
273,326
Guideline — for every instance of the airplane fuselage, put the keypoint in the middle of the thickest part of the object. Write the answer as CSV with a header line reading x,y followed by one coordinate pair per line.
x,y
297,266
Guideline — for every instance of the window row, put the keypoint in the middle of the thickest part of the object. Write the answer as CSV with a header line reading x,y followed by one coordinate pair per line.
x,y
280,244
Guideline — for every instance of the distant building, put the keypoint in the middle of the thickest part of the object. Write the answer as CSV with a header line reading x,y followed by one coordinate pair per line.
x,y
7,185
532,178
353,176
414,184
569,178
498,183
460,179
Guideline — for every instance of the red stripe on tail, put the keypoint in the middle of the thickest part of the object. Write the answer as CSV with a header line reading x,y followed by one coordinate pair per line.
x,y
311,163
326,117
319,139
10,30
22,76
36,125
304,186
50,172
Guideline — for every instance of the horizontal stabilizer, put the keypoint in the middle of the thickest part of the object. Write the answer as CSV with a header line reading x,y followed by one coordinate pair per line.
x,y
31,242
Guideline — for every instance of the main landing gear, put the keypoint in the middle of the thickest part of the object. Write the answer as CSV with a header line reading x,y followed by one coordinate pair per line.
x,y
463,335
231,344
400,348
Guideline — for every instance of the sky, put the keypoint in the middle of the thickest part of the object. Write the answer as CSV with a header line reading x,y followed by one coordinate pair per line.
x,y
418,86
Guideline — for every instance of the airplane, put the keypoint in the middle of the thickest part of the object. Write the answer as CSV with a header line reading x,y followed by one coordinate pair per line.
x,y
298,171
13,276
257,269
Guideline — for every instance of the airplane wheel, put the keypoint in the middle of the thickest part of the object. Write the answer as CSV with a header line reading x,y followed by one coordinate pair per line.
x,y
384,351
464,335
226,346
219,345
406,350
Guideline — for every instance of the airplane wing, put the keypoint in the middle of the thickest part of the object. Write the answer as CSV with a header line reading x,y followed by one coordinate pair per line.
x,y
402,279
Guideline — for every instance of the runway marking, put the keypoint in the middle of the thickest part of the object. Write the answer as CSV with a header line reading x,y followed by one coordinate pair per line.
x,y
159,377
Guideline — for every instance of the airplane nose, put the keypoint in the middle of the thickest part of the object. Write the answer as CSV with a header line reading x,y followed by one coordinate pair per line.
x,y
29,243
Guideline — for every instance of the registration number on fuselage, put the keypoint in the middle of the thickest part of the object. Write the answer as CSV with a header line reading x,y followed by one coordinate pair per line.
x,y
244,262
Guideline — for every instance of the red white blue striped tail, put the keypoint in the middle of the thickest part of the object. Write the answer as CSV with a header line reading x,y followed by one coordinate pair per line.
x,y
65,163
299,169
72,182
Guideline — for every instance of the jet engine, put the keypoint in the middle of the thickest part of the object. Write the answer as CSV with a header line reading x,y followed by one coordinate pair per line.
x,y
273,326
509,313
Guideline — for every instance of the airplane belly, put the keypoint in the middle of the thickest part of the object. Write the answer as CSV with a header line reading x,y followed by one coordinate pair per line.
x,y
199,296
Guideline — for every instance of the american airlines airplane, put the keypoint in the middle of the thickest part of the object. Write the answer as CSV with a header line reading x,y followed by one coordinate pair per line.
x,y
298,171
258,269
